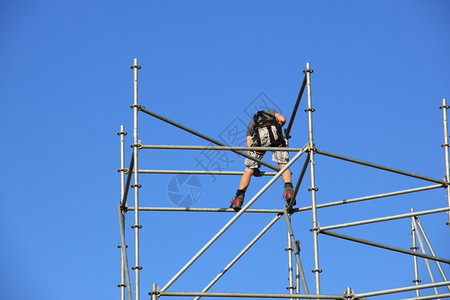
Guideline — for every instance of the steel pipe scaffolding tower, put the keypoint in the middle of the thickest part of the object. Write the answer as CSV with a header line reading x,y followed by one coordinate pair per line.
x,y
296,277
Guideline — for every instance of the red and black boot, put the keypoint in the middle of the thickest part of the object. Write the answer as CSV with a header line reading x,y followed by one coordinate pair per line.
x,y
238,200
288,193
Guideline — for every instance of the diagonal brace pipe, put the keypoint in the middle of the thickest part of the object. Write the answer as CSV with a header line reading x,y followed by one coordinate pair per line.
x,y
214,141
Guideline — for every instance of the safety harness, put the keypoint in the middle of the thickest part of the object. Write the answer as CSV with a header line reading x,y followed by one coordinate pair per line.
x,y
263,119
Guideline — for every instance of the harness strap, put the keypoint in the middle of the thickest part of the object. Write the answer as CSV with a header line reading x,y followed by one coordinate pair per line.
x,y
263,119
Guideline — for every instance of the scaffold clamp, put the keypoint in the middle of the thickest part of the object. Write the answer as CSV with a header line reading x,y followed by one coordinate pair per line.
x,y
349,293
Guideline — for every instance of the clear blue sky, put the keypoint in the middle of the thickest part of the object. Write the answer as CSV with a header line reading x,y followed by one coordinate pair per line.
x,y
381,69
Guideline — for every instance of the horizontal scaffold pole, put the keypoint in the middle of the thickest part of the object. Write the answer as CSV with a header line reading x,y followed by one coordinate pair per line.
x,y
294,210
248,295
377,166
209,139
200,172
388,247
206,209
201,147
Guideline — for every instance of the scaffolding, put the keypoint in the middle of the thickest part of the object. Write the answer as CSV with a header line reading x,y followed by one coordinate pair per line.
x,y
296,277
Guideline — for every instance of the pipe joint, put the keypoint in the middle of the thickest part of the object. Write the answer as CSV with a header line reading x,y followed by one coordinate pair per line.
x,y
136,226
121,133
139,146
315,229
310,109
136,185
136,268
135,67
313,189
444,106
349,293
138,106
123,170
311,149
316,270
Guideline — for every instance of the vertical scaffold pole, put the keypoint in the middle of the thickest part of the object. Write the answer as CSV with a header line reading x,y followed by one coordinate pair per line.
x,y
415,248
154,292
289,250
299,271
313,189
446,145
136,184
122,134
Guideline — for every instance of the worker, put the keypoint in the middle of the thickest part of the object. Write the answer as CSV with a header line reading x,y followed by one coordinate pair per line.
x,y
264,130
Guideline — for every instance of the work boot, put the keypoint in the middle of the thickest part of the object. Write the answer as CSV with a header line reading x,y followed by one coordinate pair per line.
x,y
288,193
238,200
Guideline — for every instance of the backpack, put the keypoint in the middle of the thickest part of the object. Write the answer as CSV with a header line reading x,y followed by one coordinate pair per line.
x,y
262,120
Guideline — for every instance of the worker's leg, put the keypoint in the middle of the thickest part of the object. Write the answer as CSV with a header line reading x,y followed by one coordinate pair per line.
x,y
251,165
245,179
286,176
282,157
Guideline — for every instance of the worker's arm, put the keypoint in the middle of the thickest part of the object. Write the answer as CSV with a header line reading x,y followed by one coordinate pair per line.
x,y
280,118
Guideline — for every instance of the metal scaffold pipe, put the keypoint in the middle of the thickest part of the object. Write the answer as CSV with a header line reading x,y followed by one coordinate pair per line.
x,y
123,256
294,111
415,248
381,167
291,286
199,172
313,189
123,250
446,145
209,147
127,184
136,184
248,295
